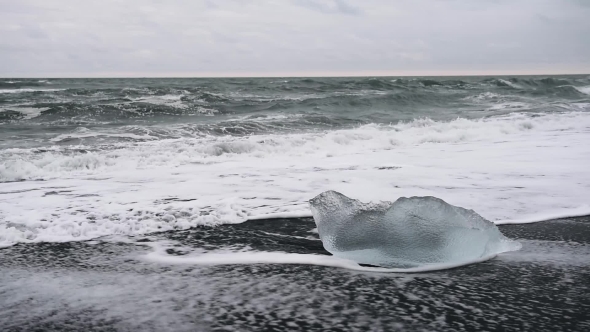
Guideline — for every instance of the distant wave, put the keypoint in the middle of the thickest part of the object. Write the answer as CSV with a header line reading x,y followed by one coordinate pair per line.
x,y
14,113
24,90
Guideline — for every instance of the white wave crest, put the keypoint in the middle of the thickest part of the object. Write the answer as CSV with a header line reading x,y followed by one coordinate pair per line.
x,y
510,84
172,100
82,132
484,96
27,112
28,90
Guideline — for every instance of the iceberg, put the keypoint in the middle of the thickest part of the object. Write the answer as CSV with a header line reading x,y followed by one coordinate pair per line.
x,y
408,233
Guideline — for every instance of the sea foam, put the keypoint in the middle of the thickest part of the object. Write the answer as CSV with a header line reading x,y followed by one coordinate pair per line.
x,y
508,168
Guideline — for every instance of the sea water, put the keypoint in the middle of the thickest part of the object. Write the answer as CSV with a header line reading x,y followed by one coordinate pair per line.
x,y
84,158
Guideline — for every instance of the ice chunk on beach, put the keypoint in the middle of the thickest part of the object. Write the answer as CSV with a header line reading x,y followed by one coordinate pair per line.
x,y
410,232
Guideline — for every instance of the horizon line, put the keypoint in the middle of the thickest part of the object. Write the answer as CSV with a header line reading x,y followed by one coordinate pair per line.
x,y
305,74
287,76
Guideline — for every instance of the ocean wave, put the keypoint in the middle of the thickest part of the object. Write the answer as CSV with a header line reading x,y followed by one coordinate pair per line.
x,y
550,81
583,89
22,113
484,96
346,101
503,83
506,168
171,100
372,136
28,90
59,111
511,106
82,132
561,91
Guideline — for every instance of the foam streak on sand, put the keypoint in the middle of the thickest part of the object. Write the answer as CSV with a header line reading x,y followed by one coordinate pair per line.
x,y
515,168
233,258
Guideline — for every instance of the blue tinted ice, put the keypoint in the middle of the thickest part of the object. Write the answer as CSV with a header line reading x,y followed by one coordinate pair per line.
x,y
410,232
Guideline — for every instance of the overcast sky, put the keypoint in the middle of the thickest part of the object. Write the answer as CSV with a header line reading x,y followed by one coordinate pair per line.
x,y
65,38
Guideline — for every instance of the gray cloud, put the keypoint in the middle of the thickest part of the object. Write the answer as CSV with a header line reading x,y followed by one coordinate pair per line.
x,y
292,37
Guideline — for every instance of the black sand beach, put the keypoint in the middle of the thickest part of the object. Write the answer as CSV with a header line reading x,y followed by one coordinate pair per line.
x,y
107,285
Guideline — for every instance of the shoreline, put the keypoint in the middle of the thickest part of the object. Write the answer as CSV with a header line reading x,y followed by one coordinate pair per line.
x,y
100,285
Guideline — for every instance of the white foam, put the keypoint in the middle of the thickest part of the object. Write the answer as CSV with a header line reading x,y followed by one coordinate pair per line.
x,y
283,215
510,84
28,90
253,257
172,100
583,89
28,112
206,111
268,98
513,168
583,210
269,117
484,96
83,132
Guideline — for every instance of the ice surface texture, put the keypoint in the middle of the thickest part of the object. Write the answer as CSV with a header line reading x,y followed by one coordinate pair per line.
x,y
410,232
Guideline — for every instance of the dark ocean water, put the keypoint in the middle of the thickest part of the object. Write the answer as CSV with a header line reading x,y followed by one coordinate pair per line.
x,y
176,204
33,111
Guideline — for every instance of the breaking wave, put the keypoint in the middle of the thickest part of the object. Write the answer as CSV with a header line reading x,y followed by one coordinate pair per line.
x,y
74,192
36,164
